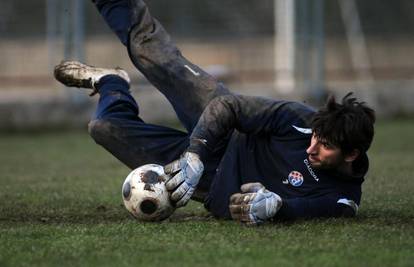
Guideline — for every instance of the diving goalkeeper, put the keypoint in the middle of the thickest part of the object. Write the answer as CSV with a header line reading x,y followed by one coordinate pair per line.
x,y
251,159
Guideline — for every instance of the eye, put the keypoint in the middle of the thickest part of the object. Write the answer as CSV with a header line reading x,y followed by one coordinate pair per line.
x,y
328,145
325,144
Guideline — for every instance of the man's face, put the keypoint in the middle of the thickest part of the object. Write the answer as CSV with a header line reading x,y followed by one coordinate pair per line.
x,y
322,155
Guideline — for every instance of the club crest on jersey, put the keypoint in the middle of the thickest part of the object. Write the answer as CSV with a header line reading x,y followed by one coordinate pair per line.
x,y
295,178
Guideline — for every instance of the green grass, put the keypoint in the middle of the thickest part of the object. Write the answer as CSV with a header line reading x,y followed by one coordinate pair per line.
x,y
60,205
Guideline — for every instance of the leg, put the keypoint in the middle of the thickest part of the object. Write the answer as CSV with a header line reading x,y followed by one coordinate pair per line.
x,y
117,127
187,87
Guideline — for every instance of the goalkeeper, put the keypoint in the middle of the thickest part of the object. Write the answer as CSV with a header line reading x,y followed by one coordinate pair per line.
x,y
252,159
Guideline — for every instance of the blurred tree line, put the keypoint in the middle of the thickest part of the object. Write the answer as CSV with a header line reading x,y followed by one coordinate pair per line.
x,y
214,18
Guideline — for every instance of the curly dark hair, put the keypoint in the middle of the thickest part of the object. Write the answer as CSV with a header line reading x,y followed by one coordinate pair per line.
x,y
348,125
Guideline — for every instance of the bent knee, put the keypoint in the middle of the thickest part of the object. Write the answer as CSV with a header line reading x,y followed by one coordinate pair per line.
x,y
101,130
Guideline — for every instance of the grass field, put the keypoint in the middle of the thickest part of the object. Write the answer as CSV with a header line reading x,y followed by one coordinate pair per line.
x,y
60,205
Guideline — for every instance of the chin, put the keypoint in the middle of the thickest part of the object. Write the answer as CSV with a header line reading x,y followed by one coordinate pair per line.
x,y
316,165
326,166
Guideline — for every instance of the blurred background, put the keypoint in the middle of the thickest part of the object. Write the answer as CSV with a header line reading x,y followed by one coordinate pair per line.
x,y
294,49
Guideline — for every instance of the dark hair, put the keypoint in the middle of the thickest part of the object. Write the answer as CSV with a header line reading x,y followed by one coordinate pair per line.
x,y
348,125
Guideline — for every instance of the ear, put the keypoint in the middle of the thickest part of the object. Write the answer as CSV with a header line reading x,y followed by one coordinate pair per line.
x,y
351,156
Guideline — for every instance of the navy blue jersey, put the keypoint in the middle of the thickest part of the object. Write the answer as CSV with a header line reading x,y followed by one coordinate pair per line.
x,y
268,145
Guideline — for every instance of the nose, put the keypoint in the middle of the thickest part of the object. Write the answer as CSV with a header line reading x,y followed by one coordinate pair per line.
x,y
312,149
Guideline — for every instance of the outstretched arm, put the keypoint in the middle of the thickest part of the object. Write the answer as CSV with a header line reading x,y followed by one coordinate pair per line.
x,y
256,205
332,205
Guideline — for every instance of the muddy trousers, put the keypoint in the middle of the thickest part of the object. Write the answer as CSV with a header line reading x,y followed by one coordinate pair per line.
x,y
117,125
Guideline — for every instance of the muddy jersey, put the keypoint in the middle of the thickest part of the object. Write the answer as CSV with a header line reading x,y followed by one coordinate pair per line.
x,y
268,144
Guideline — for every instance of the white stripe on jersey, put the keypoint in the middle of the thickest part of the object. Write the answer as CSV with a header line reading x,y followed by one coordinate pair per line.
x,y
303,130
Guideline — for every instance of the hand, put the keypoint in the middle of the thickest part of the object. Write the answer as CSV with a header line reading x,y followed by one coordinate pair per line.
x,y
187,172
254,205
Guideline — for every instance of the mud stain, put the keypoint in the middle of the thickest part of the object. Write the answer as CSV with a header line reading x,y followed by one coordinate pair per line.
x,y
149,187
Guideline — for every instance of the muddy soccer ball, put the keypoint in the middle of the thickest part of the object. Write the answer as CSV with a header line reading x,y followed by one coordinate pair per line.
x,y
145,195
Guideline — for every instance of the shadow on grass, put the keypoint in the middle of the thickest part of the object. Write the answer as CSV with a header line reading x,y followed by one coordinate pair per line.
x,y
99,215
386,217
117,214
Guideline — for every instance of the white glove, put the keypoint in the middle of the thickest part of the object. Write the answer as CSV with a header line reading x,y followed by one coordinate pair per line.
x,y
186,173
254,205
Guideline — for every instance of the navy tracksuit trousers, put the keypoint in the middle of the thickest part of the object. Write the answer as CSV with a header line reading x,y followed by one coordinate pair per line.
x,y
117,125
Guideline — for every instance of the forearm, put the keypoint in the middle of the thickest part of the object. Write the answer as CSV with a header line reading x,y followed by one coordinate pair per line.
x,y
253,115
307,208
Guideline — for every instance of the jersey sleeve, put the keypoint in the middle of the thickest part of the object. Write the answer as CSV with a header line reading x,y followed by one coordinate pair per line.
x,y
333,205
246,114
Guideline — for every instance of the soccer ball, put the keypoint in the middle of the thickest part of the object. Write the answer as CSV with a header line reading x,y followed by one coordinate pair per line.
x,y
145,195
